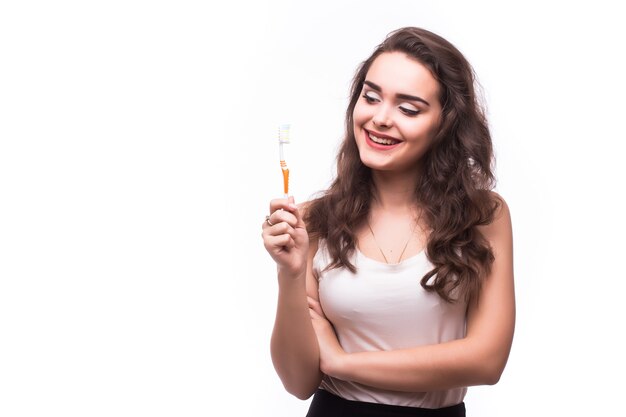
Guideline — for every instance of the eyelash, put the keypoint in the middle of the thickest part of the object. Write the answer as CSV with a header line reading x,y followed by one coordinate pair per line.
x,y
369,99
408,112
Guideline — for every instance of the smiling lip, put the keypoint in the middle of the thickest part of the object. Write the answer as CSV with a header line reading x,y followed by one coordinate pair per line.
x,y
378,146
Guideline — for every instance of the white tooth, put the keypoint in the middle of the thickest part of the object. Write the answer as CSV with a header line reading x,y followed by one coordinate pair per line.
x,y
381,140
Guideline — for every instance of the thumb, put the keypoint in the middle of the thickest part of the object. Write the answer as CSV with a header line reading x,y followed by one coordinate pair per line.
x,y
296,212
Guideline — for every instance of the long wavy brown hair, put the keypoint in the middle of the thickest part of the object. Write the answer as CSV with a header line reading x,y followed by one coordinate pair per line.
x,y
453,190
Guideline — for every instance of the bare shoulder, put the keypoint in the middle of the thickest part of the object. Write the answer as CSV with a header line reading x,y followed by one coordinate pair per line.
x,y
501,222
502,209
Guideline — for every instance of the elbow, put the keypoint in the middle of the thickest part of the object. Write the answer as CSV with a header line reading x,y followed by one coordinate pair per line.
x,y
487,363
490,372
300,383
301,393
492,378
300,378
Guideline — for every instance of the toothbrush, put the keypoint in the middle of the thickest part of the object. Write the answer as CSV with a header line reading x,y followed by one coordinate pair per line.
x,y
283,137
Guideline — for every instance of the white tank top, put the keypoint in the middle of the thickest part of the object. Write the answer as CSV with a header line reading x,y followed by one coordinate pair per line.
x,y
384,307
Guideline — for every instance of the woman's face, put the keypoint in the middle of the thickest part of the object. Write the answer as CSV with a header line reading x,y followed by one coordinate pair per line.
x,y
398,113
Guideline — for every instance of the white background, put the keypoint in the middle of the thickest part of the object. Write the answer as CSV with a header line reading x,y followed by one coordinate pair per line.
x,y
138,156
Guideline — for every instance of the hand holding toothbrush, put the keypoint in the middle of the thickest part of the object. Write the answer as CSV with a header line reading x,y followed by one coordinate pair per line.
x,y
284,233
286,239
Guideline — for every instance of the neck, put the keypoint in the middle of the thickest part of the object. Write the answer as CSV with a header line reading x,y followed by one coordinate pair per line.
x,y
393,192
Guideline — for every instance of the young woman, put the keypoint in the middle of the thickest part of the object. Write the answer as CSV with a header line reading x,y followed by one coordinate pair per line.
x,y
396,284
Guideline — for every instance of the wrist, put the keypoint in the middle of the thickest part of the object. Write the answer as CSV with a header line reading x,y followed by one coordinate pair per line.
x,y
338,367
292,285
290,275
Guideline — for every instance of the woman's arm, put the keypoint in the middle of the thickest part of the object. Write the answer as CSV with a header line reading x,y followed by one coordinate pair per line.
x,y
294,347
477,359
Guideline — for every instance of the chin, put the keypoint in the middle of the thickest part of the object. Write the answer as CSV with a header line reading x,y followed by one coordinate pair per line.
x,y
375,165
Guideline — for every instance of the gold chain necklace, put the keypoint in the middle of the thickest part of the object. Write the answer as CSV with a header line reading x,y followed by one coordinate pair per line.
x,y
403,249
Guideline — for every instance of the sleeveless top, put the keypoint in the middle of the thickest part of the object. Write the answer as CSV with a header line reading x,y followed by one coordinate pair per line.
x,y
384,307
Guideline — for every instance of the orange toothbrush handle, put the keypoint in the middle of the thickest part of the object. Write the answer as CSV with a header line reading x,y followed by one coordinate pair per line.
x,y
283,166
286,180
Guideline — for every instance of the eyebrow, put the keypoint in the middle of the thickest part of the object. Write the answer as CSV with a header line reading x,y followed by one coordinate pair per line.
x,y
399,95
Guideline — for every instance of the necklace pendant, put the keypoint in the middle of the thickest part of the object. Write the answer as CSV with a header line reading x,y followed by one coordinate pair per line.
x,y
391,251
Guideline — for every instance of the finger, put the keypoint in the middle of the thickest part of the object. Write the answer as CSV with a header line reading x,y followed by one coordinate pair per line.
x,y
287,204
316,306
283,216
279,204
296,212
314,315
280,242
279,229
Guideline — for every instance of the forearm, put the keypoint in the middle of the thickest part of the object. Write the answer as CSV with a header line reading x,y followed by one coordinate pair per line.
x,y
458,363
294,346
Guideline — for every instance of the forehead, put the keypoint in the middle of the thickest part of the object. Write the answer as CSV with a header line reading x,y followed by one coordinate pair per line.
x,y
396,73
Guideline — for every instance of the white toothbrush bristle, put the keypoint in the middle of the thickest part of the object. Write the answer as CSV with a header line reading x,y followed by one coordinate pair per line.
x,y
283,133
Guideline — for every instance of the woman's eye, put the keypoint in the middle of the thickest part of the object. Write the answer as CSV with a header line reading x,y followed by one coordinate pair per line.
x,y
409,112
370,98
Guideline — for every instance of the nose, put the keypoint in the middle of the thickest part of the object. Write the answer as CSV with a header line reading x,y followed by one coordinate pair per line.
x,y
381,117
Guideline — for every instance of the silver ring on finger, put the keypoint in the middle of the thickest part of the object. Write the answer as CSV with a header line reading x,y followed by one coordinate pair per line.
x,y
267,219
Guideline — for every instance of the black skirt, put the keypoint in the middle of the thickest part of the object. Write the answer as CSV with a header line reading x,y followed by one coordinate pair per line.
x,y
325,404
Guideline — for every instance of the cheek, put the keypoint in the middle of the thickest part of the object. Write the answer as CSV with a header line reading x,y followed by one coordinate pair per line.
x,y
359,114
424,129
